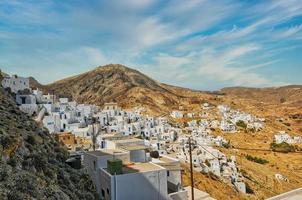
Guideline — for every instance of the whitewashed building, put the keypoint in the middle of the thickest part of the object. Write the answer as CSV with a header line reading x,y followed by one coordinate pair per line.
x,y
283,137
15,83
177,114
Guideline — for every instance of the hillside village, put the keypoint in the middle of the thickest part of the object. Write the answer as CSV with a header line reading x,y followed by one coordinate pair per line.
x,y
116,145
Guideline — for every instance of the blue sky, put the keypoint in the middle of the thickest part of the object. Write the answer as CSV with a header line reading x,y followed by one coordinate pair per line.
x,y
201,44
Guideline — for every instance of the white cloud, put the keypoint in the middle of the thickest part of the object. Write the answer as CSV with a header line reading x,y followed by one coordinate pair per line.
x,y
152,32
289,32
225,41
221,67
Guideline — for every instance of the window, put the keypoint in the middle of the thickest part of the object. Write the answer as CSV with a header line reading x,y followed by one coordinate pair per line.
x,y
168,173
103,193
23,100
108,192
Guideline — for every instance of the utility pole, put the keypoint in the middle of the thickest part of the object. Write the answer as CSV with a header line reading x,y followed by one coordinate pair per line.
x,y
93,137
191,169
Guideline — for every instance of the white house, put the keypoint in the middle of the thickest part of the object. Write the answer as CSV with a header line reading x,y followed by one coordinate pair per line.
x,y
177,114
136,182
283,137
27,103
15,83
52,122
128,180
227,126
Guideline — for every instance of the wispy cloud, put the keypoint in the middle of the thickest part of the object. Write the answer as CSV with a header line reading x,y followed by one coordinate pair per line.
x,y
192,44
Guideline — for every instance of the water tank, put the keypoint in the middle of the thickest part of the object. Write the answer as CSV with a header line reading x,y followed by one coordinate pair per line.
x,y
115,166
154,154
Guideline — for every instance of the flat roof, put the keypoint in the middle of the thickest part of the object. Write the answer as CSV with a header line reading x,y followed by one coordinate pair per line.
x,y
105,152
133,147
63,133
115,136
141,167
167,159
128,140
167,163
198,194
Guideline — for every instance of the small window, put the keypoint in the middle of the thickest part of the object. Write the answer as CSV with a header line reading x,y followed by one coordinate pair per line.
x,y
168,173
108,192
103,193
94,166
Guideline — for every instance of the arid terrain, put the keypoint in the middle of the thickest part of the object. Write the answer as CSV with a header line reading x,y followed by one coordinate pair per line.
x,y
32,164
281,107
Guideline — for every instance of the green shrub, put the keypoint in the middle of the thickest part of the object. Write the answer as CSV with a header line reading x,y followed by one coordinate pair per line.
x,y
282,147
40,162
31,139
241,124
7,141
3,173
256,159
12,162
227,145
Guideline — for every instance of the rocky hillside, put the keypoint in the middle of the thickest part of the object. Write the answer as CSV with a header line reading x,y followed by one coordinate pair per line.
x,y
120,84
288,95
32,163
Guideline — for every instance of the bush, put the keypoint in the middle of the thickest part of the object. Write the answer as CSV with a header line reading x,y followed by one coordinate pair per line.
x,y
31,140
4,174
282,147
241,124
12,162
282,100
28,184
40,162
256,159
227,145
7,141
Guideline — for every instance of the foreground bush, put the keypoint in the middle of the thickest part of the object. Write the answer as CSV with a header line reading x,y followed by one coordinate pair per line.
x,y
256,159
282,147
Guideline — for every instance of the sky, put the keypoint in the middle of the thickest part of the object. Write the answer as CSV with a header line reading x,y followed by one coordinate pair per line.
x,y
199,44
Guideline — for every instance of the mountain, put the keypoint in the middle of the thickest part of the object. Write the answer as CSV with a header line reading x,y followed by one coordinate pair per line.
x,y
126,86
32,163
33,83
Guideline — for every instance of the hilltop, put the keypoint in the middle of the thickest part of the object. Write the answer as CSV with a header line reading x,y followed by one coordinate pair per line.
x,y
121,84
32,164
